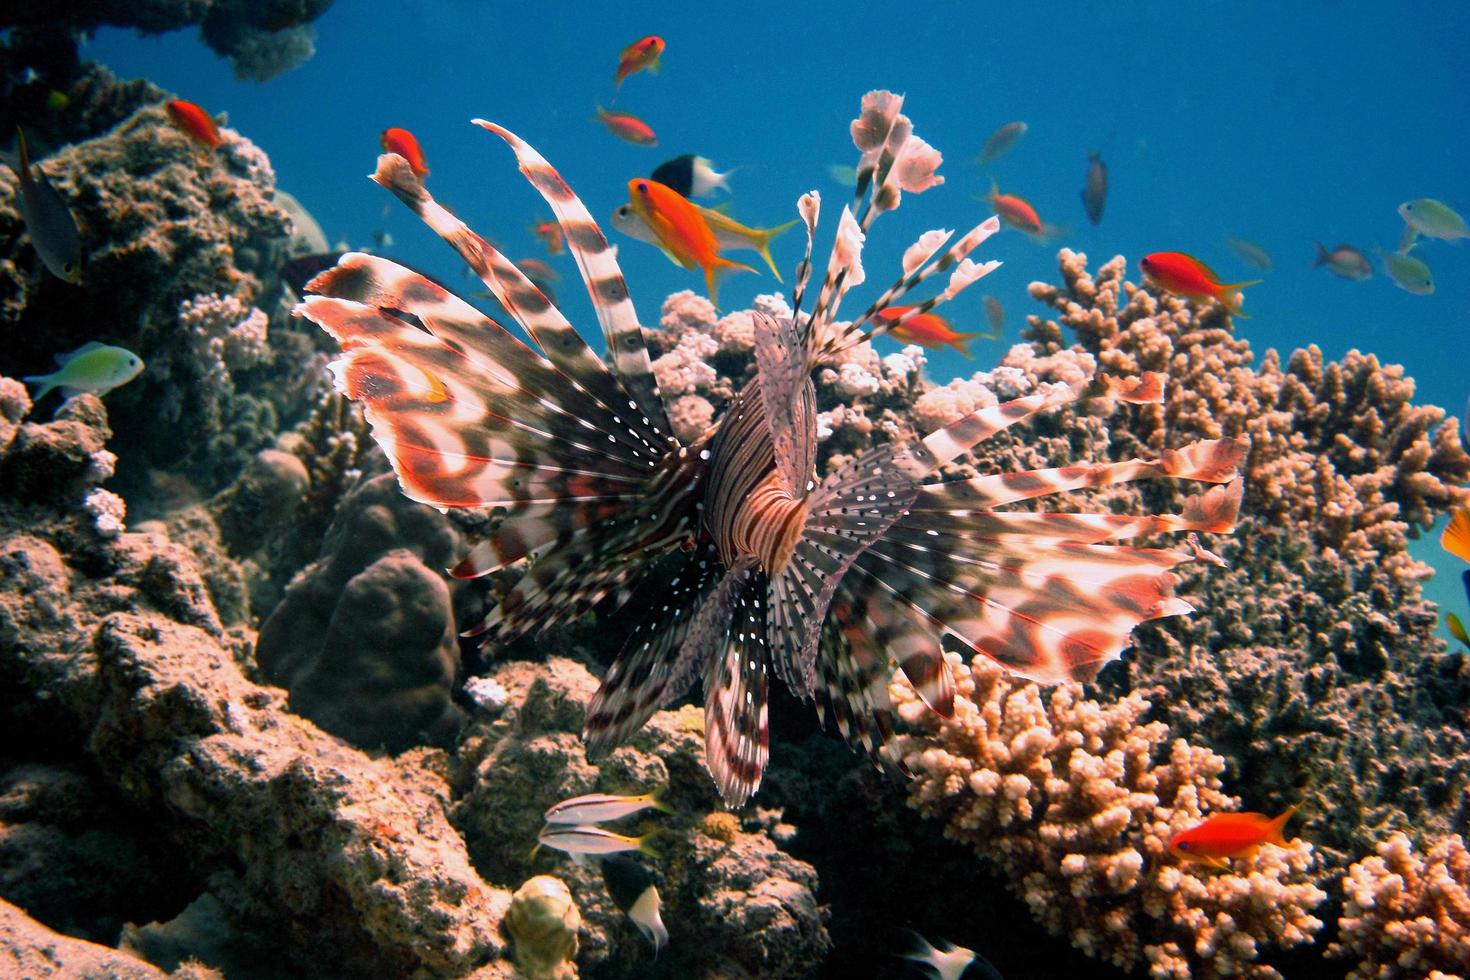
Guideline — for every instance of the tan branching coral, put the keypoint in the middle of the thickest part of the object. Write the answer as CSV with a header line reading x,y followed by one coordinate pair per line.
x,y
1407,913
1075,800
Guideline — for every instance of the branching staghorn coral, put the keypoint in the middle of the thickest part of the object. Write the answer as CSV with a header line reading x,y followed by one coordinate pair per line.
x,y
1317,674
1407,914
1075,800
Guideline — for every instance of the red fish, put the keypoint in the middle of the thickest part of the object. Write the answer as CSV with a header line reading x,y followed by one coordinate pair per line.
x,y
640,55
550,234
682,231
1185,275
626,127
403,143
929,329
197,124
1228,835
1015,211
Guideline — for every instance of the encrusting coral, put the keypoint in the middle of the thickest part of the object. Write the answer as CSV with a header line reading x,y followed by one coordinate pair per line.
x,y
1407,913
112,656
1075,801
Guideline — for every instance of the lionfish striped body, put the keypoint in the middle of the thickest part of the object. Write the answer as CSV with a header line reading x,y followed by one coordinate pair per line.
x,y
828,582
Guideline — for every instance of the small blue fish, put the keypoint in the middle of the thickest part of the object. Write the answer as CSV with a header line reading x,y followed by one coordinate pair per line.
x,y
92,367
52,228
1407,272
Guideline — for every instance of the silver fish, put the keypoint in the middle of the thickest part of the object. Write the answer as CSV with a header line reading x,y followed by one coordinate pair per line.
x,y
587,839
601,807
52,228
1002,141
1095,188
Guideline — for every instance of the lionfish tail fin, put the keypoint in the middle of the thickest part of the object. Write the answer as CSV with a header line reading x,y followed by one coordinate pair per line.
x,y
726,641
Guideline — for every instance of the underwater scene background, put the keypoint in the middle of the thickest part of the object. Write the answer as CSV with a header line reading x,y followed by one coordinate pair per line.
x,y
245,738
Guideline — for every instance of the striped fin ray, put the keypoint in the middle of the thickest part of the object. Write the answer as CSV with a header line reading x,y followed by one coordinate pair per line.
x,y
644,676
1041,619
789,400
936,510
434,412
603,559
519,370
604,279
851,510
1213,461
854,674
905,634
853,333
736,691
541,320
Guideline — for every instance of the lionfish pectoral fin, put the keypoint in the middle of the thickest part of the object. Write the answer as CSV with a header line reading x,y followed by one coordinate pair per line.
x,y
851,509
789,401
646,673
854,673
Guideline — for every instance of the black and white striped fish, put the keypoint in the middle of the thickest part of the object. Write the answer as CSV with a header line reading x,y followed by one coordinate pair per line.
x,y
825,581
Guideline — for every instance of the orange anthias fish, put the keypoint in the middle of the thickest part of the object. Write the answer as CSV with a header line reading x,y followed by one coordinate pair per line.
x,y
1185,275
682,231
627,127
197,124
1015,211
550,233
641,54
1456,537
403,143
1228,835
929,329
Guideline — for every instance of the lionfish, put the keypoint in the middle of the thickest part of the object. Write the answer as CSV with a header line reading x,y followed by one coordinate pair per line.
x,y
829,581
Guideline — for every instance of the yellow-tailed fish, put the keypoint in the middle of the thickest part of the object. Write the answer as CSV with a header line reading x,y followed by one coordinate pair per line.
x,y
52,229
1456,628
730,235
632,890
601,807
93,367
591,839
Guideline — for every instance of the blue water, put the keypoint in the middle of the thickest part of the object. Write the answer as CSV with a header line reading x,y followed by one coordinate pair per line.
x,y
1278,123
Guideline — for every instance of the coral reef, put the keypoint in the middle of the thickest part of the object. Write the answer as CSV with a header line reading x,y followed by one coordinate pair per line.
x,y
1407,914
29,949
364,638
1316,673
111,656
180,251
735,903
1075,801
261,39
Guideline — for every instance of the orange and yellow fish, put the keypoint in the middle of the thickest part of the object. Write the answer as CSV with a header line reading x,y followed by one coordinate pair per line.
x,y
197,124
550,234
1185,275
681,230
1228,835
642,54
627,127
929,329
403,143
